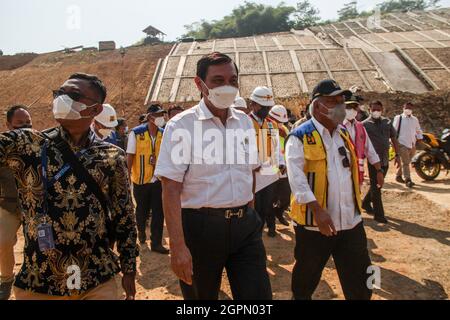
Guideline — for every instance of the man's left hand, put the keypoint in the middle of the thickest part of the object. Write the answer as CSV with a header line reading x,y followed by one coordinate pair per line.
x,y
380,179
129,285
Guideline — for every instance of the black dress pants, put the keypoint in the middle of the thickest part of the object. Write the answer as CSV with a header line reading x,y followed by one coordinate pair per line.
x,y
264,200
235,244
373,199
149,197
350,254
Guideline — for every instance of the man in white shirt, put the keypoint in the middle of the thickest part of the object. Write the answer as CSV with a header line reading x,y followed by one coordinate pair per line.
x,y
408,133
270,157
206,164
323,173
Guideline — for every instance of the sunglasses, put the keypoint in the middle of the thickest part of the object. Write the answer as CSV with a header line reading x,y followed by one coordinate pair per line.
x,y
75,96
345,161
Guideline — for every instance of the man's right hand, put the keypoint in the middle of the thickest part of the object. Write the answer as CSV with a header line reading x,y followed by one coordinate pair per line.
x,y
181,261
323,220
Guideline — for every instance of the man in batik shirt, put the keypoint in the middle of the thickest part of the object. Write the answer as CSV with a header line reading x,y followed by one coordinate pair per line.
x,y
68,232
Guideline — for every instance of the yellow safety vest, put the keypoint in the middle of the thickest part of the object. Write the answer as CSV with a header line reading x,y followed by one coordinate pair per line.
x,y
267,130
315,169
142,171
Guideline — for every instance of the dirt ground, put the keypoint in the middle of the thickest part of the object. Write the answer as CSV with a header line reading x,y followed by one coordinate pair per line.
x,y
412,251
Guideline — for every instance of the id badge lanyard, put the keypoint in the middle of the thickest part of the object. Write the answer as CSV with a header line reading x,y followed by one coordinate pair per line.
x,y
45,231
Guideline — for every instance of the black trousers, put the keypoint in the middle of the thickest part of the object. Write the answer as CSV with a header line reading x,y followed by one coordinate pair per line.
x,y
149,197
235,244
264,200
373,198
350,254
281,201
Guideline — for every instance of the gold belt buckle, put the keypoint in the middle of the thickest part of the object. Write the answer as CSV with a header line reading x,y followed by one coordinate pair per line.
x,y
229,214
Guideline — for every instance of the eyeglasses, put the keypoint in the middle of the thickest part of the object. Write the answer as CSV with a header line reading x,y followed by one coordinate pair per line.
x,y
75,96
345,161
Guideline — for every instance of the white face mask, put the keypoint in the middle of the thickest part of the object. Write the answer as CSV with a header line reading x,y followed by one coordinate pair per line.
x,y
64,107
376,114
408,112
160,122
222,97
351,114
105,132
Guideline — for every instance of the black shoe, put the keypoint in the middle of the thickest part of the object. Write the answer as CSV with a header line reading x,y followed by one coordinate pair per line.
x,y
399,179
381,220
142,240
160,249
368,209
5,290
409,184
272,233
283,221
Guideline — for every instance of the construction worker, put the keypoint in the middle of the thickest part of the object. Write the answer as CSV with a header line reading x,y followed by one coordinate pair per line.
x,y
281,202
270,157
241,104
324,178
361,141
17,118
105,123
122,133
209,205
144,143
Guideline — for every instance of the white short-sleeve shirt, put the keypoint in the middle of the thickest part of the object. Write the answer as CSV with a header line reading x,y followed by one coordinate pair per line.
x,y
214,162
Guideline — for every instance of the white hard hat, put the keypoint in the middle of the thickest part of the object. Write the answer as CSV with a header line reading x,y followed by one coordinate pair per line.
x,y
279,113
107,117
240,103
263,96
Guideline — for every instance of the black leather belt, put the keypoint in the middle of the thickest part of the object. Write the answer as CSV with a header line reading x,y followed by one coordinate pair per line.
x,y
228,213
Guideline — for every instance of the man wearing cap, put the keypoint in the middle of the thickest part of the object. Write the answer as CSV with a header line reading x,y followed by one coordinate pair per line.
x,y
208,195
144,143
270,157
361,141
104,125
282,194
326,209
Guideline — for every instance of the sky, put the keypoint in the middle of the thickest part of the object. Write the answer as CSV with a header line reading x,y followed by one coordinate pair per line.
x,y
48,25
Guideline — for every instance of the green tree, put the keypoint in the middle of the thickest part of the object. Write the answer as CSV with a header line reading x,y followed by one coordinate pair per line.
x,y
246,20
306,15
402,5
349,11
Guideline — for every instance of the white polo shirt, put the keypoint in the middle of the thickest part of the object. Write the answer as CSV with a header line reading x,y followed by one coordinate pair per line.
x,y
200,152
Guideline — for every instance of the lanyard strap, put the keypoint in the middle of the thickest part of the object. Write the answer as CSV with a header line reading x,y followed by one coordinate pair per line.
x,y
46,183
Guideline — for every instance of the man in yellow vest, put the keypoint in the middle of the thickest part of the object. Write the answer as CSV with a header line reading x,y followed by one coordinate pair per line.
x,y
272,162
326,208
282,194
144,143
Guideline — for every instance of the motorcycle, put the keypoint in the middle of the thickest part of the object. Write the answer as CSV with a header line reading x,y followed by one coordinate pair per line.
x,y
435,156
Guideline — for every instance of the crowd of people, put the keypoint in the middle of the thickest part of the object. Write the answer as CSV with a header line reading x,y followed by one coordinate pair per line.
x,y
86,191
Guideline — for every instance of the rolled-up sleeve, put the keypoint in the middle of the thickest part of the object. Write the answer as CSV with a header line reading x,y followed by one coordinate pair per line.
x,y
174,155
295,161
123,217
419,132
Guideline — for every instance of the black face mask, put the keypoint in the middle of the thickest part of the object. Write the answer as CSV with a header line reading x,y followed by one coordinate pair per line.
x,y
25,126
262,113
